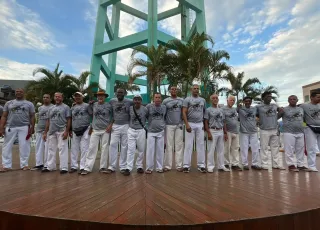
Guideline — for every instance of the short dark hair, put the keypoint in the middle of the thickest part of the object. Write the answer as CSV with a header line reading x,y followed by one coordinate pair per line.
x,y
293,96
265,94
156,93
247,97
314,93
170,86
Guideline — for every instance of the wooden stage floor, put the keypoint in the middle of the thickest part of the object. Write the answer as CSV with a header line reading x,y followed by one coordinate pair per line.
x,y
237,200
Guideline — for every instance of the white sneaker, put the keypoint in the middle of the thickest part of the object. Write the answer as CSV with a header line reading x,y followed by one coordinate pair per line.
x,y
279,167
210,170
265,167
313,170
224,169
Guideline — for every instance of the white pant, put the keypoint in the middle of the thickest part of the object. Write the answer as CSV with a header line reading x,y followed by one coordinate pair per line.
x,y
245,140
79,144
119,134
155,146
197,133
174,137
56,142
41,150
270,137
24,146
312,140
294,144
231,149
216,145
136,138
97,136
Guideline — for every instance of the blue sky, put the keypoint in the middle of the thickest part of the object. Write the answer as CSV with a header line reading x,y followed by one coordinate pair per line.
x,y
277,41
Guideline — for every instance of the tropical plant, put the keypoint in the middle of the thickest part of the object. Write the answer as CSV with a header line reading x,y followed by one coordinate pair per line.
x,y
126,86
256,93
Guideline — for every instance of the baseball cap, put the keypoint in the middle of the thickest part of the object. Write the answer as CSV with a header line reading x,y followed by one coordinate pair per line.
x,y
137,96
79,93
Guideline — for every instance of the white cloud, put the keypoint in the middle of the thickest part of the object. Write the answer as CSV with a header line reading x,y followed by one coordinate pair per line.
x,y
304,7
22,28
245,41
226,37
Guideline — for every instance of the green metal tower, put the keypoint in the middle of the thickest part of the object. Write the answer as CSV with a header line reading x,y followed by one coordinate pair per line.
x,y
152,36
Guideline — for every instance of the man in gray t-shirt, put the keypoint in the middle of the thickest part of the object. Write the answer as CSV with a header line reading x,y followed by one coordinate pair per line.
x,y
1,111
192,113
174,130
41,145
57,132
248,134
155,140
293,128
18,119
312,119
268,119
231,145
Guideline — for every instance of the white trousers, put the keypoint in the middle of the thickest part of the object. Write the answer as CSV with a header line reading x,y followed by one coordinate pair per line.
x,y
102,137
312,140
231,149
41,150
174,141
198,134
136,138
270,137
119,133
56,142
155,146
216,145
245,141
294,144
80,144
24,146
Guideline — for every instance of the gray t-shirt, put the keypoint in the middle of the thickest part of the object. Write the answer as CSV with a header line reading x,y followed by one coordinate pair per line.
x,y
248,123
268,116
43,115
292,118
58,115
174,110
80,116
19,112
231,116
156,118
215,117
311,113
196,109
101,115
121,110
1,110
142,113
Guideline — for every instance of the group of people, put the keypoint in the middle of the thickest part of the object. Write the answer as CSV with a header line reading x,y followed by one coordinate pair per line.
x,y
156,125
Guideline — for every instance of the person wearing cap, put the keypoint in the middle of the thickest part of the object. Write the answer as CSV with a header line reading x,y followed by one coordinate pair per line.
x,y
41,145
119,133
100,133
155,141
136,135
174,130
81,115
57,132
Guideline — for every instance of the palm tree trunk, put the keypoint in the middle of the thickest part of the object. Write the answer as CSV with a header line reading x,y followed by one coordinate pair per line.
x,y
151,89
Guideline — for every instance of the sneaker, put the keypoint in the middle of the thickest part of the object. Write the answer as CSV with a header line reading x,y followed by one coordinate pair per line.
x,y
186,170
202,170
140,170
126,172
293,168
255,167
109,171
2,170
166,170
210,170
72,170
103,170
44,170
122,171
84,172
148,171
303,168
313,170
80,171
246,167
25,168
159,171
224,169
63,171
36,168
227,166
264,168
179,169
279,167
236,167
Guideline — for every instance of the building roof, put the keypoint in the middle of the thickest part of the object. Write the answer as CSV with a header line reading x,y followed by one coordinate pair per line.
x,y
312,84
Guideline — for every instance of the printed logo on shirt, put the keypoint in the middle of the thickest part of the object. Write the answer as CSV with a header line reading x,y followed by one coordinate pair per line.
x,y
55,115
120,108
196,106
232,115
271,112
249,116
136,120
77,113
295,117
100,113
17,109
315,114
43,116
174,108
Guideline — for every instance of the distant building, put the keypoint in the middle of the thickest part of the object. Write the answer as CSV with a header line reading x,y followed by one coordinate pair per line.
x,y
307,89
8,87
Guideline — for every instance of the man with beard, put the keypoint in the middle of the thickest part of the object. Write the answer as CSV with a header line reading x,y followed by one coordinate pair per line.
x,y
193,111
57,132
312,131
248,134
215,128
292,117
41,145
136,135
100,133
268,119
174,130
18,119
231,145
81,115
155,140
119,133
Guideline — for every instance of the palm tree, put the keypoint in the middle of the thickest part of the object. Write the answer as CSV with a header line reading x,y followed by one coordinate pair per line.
x,y
155,67
126,86
256,93
53,81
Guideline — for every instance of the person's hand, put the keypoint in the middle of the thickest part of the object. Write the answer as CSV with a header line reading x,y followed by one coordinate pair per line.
x,y
209,136
31,130
2,132
239,106
44,136
281,110
225,137
90,131
91,102
65,135
70,134
188,128
109,128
